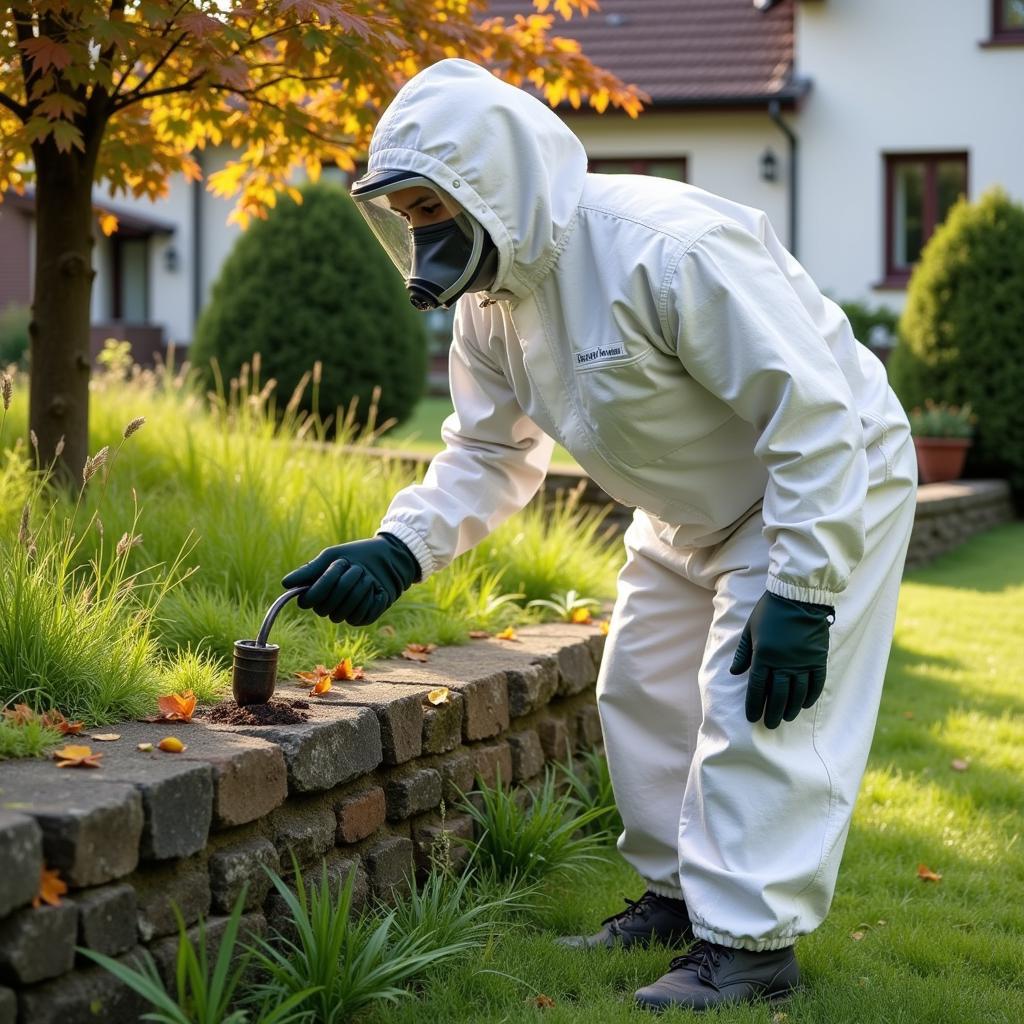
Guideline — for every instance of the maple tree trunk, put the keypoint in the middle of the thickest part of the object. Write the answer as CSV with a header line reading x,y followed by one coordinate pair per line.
x,y
59,330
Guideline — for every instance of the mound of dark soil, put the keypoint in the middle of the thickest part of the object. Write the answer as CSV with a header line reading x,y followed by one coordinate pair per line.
x,y
274,712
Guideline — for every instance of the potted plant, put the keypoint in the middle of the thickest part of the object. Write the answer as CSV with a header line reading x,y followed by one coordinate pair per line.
x,y
942,434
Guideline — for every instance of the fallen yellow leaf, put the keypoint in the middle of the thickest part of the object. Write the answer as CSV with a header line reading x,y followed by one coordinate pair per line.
x,y
172,745
76,757
604,626
145,747
581,616
106,737
439,696
506,634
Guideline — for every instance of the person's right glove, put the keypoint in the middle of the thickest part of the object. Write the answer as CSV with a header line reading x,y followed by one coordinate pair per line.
x,y
785,646
356,582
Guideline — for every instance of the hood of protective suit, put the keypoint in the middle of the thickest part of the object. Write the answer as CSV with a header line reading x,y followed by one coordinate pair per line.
x,y
503,156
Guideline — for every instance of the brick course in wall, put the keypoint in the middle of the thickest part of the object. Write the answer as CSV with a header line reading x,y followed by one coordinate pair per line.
x,y
369,784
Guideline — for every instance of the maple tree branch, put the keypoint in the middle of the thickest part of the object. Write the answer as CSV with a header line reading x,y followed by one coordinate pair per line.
x,y
249,95
14,106
149,74
163,35
135,97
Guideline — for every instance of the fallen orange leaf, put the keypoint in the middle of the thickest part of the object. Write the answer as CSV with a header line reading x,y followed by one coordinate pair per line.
x,y
172,745
54,719
478,634
418,652
506,634
581,616
926,874
439,696
177,707
76,757
20,714
321,686
346,670
51,887
316,675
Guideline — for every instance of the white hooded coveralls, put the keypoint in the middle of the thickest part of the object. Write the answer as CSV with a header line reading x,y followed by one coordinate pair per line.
x,y
664,336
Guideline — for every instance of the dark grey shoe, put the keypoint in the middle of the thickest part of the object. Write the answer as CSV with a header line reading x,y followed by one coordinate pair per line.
x,y
710,974
651,918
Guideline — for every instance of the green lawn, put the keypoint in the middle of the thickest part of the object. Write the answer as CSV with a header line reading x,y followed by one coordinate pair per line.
x,y
951,951
422,431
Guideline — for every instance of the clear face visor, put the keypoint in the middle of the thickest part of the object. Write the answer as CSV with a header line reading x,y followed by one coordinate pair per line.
x,y
394,232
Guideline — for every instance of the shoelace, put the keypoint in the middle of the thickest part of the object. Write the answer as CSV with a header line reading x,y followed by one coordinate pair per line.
x,y
634,908
704,956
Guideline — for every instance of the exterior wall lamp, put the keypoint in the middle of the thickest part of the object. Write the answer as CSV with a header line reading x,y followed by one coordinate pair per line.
x,y
769,164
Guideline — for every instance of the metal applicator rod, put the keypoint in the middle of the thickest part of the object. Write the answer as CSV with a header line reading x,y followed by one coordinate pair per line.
x,y
261,638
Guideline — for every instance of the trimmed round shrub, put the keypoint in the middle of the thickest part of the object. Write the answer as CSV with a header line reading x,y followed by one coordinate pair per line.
x,y
962,330
312,283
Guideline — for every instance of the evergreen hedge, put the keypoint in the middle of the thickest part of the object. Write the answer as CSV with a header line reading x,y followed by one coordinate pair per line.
x,y
312,283
962,330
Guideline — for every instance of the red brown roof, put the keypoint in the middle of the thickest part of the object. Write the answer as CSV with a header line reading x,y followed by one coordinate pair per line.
x,y
687,52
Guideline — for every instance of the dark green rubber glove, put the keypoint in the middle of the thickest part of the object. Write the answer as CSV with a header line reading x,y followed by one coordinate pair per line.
x,y
356,582
785,646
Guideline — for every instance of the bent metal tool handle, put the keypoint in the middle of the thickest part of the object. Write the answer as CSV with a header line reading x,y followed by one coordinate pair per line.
x,y
261,639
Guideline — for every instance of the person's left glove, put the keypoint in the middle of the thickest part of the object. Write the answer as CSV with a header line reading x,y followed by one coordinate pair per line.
x,y
785,646
356,582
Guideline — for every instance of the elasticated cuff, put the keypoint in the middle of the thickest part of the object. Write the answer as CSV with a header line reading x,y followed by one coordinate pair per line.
x,y
414,542
756,945
812,595
672,892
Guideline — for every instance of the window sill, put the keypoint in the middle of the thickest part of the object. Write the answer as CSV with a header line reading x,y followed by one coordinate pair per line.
x,y
1003,39
892,282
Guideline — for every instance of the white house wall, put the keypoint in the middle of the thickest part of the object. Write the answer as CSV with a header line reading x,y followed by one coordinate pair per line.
x,y
723,151
893,77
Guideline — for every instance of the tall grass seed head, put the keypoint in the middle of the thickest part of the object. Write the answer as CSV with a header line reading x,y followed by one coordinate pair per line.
x,y
6,389
133,426
93,464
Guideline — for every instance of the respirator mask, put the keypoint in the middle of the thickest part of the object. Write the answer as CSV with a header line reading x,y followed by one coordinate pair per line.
x,y
439,261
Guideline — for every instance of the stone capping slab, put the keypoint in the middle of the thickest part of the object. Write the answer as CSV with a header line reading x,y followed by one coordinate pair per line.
x,y
336,744
92,827
933,499
21,858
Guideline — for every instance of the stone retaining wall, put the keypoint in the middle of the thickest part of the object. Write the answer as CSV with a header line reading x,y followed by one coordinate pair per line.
x,y
361,784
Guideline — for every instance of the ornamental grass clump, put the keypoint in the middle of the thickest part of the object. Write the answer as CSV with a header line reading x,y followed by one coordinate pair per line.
x,y
345,962
534,842
590,787
76,629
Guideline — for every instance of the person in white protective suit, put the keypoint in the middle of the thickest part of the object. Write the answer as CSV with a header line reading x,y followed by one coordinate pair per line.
x,y
665,337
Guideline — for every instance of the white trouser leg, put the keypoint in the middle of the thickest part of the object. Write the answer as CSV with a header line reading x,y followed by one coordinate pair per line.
x,y
755,845
766,811
649,701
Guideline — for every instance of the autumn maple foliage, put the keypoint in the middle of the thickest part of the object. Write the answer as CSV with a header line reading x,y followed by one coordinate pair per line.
x,y
130,91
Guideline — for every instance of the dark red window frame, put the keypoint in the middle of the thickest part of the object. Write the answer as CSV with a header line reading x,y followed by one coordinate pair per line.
x,y
640,164
896,275
1002,33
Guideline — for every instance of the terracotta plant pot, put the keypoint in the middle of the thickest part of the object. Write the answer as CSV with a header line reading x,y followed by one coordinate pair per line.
x,y
941,458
